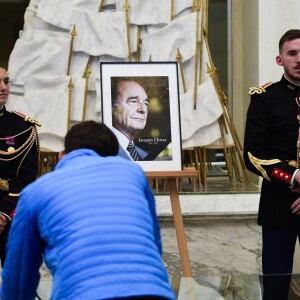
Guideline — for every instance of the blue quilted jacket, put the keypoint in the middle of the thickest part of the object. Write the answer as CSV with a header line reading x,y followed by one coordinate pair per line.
x,y
94,220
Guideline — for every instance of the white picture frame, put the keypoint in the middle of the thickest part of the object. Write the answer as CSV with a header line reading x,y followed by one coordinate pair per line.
x,y
160,138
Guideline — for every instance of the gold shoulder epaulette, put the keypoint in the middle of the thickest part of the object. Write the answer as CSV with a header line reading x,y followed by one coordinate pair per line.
x,y
259,89
27,118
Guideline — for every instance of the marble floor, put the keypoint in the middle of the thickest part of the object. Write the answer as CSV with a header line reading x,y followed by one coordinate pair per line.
x,y
216,247
222,235
222,252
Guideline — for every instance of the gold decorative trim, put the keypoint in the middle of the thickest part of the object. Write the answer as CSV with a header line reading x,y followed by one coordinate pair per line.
x,y
256,162
259,89
7,156
13,195
27,118
293,163
18,134
4,184
256,90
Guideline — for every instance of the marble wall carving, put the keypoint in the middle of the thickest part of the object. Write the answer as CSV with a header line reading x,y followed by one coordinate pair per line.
x,y
54,66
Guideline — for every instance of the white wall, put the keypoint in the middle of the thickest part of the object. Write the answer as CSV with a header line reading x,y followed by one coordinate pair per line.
x,y
275,18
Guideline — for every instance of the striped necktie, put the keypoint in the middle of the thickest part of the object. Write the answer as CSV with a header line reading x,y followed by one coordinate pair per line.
x,y
133,153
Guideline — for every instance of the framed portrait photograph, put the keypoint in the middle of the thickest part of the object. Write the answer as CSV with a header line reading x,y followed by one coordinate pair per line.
x,y
140,103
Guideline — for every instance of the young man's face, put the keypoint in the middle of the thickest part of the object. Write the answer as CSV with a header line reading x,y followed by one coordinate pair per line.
x,y
289,58
130,115
4,87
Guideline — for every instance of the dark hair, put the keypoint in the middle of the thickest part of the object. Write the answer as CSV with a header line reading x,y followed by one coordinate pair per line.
x,y
94,136
290,35
2,66
115,82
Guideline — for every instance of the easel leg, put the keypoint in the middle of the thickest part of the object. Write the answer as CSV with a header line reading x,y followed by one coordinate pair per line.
x,y
179,227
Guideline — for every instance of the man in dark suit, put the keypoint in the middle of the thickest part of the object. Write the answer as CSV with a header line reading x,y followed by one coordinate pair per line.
x,y
19,152
129,116
270,150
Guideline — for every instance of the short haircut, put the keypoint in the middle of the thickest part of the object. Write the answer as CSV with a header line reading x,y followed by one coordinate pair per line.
x,y
290,35
94,136
115,82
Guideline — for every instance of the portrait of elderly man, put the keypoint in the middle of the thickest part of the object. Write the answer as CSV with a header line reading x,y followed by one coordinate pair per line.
x,y
129,115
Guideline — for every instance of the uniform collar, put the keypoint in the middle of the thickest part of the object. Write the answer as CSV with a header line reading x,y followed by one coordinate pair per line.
x,y
2,111
290,85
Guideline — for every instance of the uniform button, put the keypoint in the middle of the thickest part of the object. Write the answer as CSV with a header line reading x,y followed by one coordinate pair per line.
x,y
276,172
286,177
281,174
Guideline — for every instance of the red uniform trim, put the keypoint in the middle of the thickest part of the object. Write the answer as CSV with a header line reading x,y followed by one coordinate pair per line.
x,y
267,84
281,175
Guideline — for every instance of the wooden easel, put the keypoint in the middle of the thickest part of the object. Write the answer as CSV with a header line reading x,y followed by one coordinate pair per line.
x,y
171,177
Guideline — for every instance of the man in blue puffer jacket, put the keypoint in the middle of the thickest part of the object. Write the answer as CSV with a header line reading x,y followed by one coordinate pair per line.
x,y
93,220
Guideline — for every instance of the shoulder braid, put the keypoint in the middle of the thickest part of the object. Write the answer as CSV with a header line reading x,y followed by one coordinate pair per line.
x,y
259,89
27,118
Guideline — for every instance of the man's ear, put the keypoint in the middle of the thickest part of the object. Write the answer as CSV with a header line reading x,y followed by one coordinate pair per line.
x,y
279,60
61,154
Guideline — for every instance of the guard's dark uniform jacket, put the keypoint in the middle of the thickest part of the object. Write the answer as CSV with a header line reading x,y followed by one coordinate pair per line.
x,y
19,153
270,150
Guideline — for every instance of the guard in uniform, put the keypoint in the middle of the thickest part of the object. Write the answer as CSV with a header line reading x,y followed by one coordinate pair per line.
x,y
270,150
19,154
